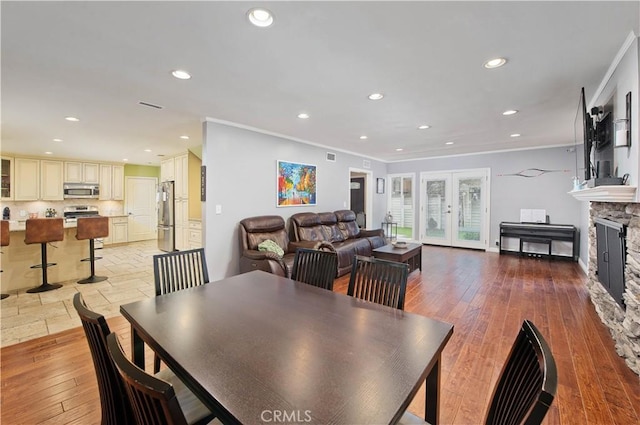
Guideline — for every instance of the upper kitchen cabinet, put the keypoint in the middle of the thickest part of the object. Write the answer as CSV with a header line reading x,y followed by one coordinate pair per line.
x,y
111,182
181,175
81,172
37,179
27,179
167,170
7,178
51,183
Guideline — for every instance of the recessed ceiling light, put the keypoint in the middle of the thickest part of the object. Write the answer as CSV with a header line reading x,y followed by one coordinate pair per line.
x,y
376,96
260,17
399,149
48,153
180,74
510,112
495,63
125,159
184,137
363,137
449,143
423,127
147,150
515,135
74,119
57,140
303,116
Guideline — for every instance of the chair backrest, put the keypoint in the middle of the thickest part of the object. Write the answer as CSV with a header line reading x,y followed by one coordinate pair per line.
x,y
4,234
113,398
317,268
379,281
153,400
528,381
179,270
255,230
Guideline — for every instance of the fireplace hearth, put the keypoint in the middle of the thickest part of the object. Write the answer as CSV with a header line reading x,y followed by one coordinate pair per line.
x,y
614,277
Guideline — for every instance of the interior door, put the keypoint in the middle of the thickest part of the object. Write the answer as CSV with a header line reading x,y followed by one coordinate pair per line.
x,y
357,199
140,206
454,208
435,208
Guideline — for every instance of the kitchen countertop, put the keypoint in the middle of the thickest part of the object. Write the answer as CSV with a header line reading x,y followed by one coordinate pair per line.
x,y
20,226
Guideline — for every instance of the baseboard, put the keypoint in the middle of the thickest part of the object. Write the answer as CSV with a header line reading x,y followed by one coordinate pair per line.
x,y
493,249
583,266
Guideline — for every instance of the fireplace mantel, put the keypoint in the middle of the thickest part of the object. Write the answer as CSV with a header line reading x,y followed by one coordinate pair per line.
x,y
618,193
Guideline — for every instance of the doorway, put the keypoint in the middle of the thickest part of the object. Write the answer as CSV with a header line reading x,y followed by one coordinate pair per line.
x,y
401,203
360,197
454,208
140,206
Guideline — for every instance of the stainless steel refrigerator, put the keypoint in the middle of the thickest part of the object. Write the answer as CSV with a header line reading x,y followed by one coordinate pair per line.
x,y
166,224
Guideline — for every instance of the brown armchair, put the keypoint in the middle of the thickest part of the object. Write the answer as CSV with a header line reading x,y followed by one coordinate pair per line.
x,y
255,230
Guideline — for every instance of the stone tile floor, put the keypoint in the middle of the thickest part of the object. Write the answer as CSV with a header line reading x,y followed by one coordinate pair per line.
x,y
129,269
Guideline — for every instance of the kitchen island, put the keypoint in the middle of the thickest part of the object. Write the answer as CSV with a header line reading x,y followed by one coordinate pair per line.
x,y
17,258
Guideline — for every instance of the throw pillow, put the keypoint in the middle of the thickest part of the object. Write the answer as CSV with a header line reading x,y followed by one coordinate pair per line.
x,y
271,246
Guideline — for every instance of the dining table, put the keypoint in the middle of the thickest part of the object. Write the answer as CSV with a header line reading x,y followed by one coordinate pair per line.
x,y
260,348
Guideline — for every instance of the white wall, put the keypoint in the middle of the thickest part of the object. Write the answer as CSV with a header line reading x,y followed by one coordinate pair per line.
x,y
241,178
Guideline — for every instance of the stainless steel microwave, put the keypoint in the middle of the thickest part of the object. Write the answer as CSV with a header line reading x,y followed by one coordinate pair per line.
x,y
81,190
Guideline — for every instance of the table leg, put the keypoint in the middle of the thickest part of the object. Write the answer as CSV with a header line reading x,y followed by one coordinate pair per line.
x,y
137,348
431,404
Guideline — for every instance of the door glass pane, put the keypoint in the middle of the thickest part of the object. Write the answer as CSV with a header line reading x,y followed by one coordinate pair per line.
x,y
436,209
402,205
470,209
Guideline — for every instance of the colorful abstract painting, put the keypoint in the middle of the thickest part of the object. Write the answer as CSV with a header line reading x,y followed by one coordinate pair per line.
x,y
296,184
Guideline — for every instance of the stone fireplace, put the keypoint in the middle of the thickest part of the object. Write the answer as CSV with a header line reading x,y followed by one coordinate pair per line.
x,y
624,324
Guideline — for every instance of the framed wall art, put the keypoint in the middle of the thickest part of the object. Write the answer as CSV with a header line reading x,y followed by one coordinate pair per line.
x,y
379,185
296,184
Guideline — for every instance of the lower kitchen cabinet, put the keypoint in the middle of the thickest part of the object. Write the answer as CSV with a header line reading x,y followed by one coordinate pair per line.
x,y
195,234
118,230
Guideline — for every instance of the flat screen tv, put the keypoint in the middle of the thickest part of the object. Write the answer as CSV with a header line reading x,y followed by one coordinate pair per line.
x,y
588,134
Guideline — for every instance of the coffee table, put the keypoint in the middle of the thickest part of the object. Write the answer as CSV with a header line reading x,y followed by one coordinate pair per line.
x,y
411,254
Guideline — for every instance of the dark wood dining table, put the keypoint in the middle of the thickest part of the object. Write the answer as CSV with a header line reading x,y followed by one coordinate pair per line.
x,y
259,348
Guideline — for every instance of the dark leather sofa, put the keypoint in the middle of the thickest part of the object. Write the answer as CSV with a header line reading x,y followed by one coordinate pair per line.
x,y
255,230
339,232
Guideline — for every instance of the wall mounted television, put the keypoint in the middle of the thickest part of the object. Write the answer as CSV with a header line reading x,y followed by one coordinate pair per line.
x,y
597,136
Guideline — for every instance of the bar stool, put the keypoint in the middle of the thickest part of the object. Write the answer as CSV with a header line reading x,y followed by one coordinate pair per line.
x,y
4,241
92,228
43,231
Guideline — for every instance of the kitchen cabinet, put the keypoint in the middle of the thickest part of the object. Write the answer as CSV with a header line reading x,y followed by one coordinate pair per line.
x,y
81,172
181,175
7,178
195,234
118,230
111,182
27,179
181,224
167,170
51,180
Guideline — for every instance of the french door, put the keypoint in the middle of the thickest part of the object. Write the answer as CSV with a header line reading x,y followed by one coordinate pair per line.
x,y
454,208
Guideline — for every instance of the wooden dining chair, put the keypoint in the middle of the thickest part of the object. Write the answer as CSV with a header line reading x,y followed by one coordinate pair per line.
x,y
527,384
154,400
317,268
379,281
175,271
179,270
114,402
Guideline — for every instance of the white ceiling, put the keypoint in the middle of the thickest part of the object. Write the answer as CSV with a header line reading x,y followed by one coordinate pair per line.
x,y
97,60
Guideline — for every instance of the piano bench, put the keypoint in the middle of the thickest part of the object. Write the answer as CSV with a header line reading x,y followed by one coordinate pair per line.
x,y
535,240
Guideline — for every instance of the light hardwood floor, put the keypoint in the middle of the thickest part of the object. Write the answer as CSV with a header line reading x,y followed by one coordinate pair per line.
x,y
486,296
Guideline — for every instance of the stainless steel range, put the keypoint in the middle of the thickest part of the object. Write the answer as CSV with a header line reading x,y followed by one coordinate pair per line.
x,y
72,213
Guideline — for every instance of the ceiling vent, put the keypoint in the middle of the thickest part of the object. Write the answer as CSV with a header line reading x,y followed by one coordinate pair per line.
x,y
150,105
366,163
331,157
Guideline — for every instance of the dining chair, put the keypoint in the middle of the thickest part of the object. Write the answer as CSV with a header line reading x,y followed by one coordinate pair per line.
x,y
175,271
178,270
527,384
154,400
115,404
317,268
379,281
